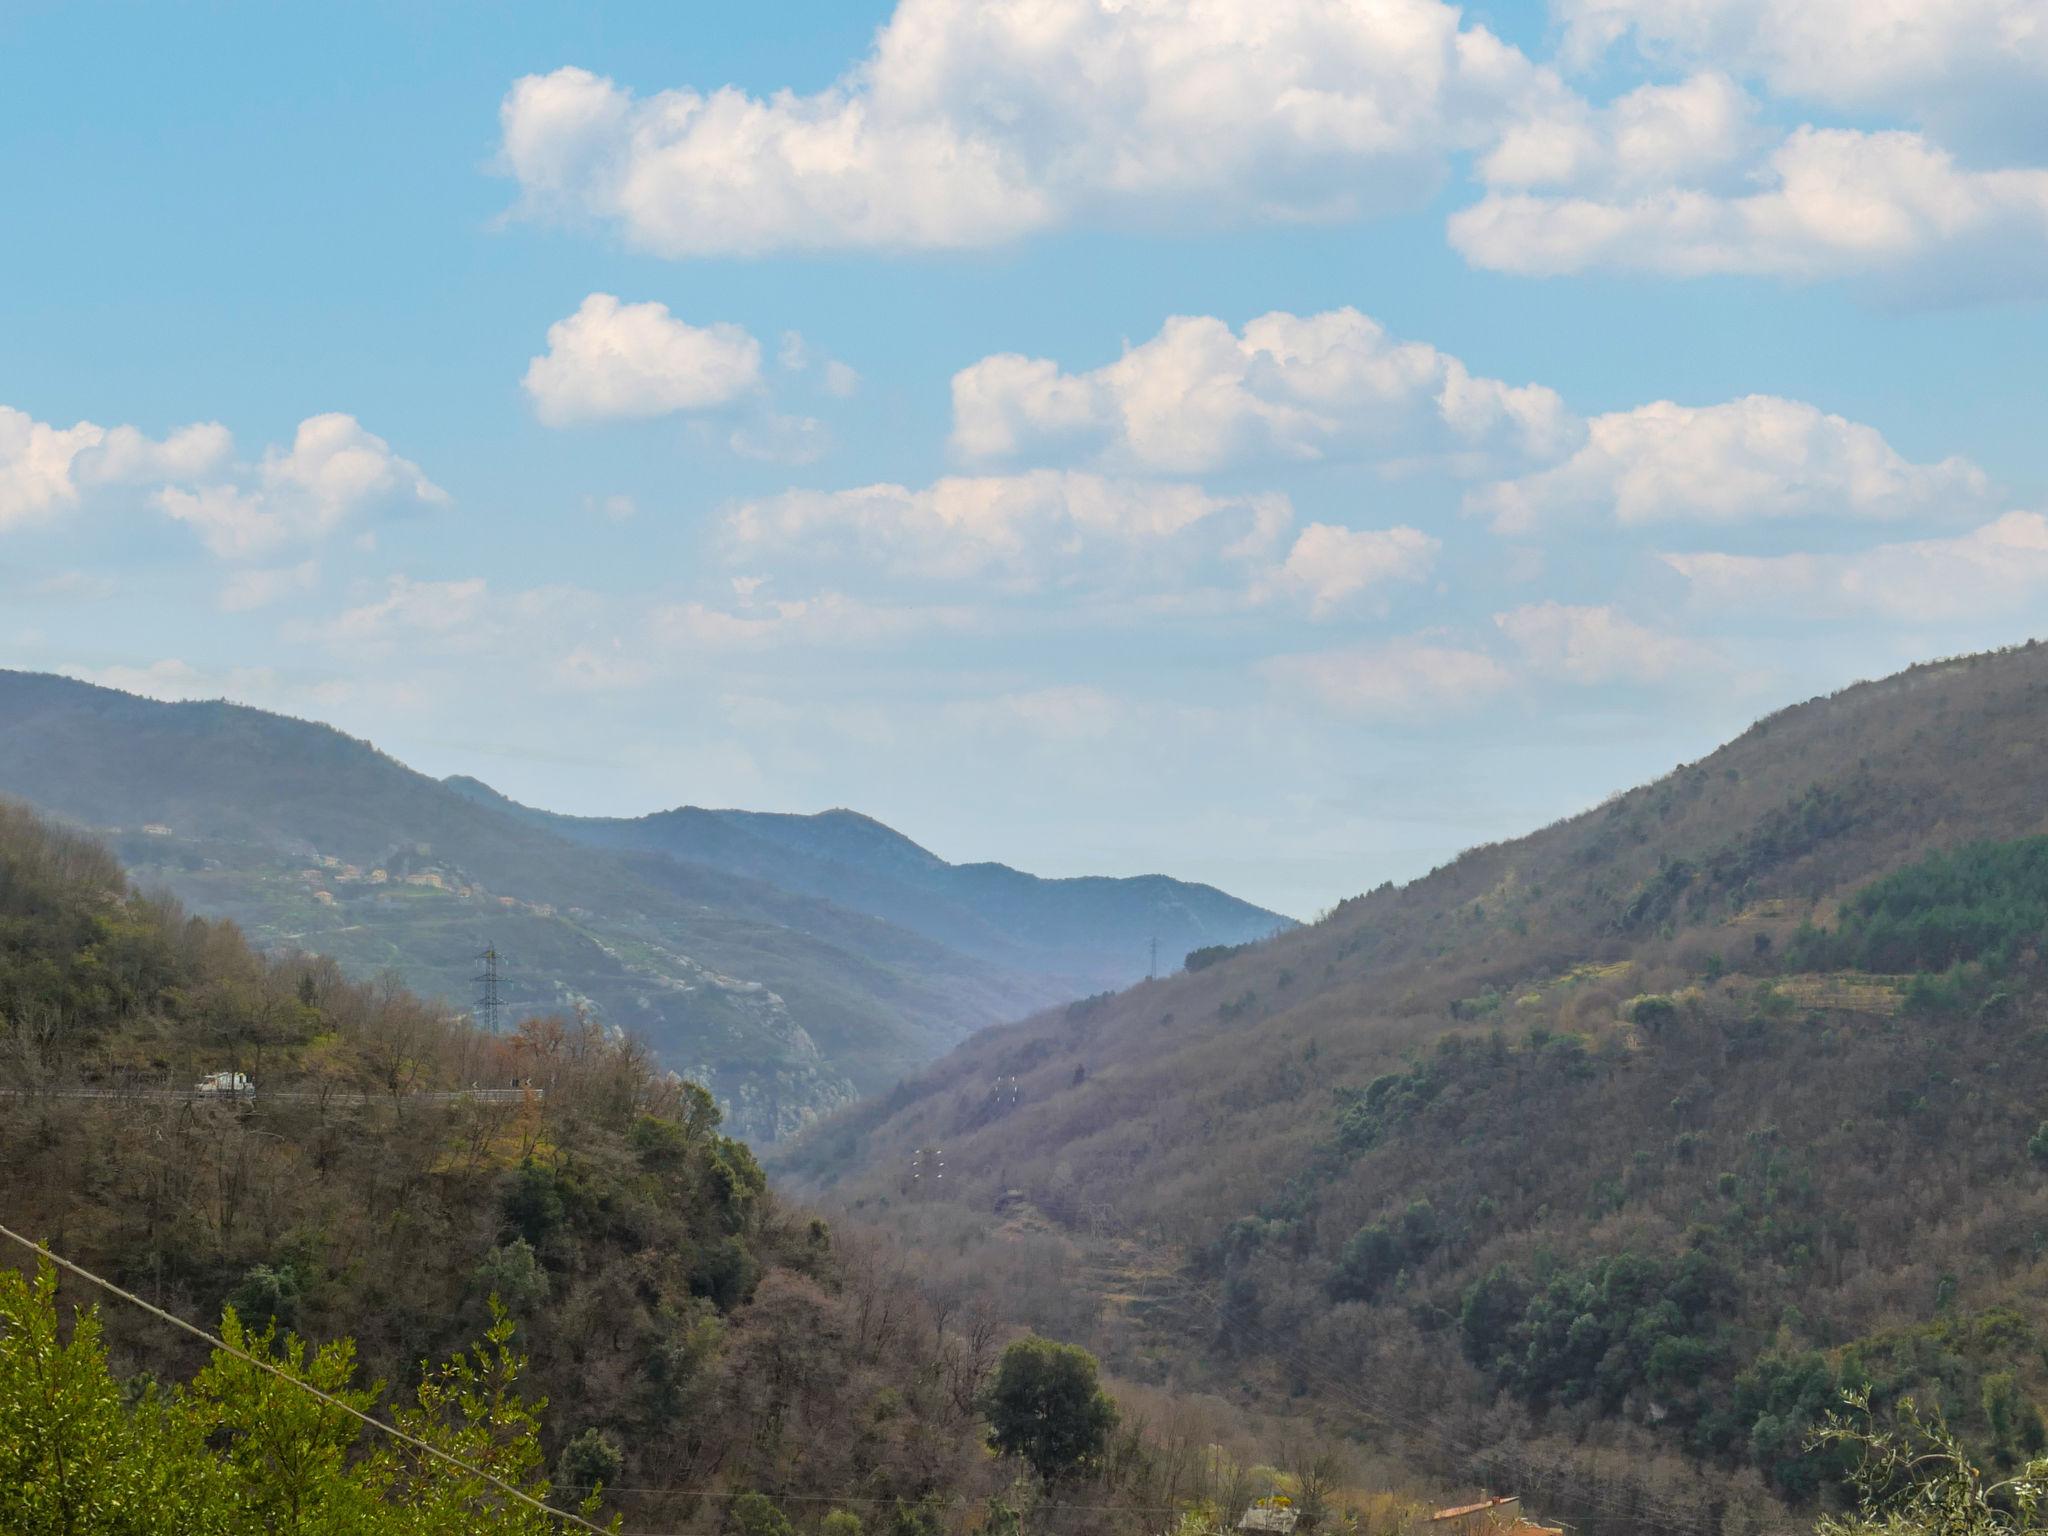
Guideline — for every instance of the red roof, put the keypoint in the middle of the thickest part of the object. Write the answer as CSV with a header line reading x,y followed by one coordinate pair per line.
x,y
1459,1510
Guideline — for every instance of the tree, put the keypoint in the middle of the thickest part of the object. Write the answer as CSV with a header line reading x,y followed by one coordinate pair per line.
x,y
755,1514
1047,1407
589,1463
1915,1478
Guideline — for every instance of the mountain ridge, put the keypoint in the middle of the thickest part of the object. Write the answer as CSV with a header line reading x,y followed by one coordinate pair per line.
x,y
1627,1070
987,909
783,1001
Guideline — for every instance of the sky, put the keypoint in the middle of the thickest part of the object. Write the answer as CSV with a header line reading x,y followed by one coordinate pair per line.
x,y
1279,443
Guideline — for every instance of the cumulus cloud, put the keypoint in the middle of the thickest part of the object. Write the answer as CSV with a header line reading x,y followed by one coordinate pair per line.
x,y
1852,54
970,124
1753,458
333,469
1200,396
1332,566
1399,678
1998,568
1595,645
1892,206
1698,131
612,360
1020,529
45,469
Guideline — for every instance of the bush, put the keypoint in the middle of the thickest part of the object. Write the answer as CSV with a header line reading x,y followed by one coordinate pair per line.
x,y
590,1461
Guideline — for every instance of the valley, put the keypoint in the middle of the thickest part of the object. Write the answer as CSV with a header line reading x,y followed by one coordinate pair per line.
x,y
787,965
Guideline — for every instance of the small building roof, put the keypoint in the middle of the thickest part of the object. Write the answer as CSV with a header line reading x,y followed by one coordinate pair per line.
x,y
1483,1507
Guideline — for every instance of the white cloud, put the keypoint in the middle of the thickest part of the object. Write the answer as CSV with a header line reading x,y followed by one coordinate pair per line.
x,y
1853,54
1330,566
1997,568
333,470
256,587
1595,644
1020,528
1753,458
611,360
842,382
1893,206
125,456
1696,131
971,123
1199,396
1400,678
44,469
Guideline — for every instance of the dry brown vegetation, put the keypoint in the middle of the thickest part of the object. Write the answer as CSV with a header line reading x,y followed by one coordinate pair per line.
x,y
721,1343
1858,1172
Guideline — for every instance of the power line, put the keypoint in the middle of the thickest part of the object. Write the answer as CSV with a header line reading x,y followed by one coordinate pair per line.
x,y
304,1386
42,1251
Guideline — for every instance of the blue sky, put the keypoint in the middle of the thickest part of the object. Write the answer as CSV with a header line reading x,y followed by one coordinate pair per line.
x,y
1278,444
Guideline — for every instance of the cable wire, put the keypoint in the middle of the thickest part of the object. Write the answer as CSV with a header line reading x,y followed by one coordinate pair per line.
x,y
304,1386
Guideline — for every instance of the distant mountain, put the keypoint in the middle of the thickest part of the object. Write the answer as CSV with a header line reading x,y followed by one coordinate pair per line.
x,y
1595,1164
1090,933
781,1000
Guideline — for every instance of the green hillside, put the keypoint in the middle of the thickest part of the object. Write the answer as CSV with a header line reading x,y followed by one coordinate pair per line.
x,y
782,1003
637,1247
1594,1164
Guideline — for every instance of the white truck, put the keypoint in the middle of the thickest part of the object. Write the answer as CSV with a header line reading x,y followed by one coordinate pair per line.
x,y
224,1083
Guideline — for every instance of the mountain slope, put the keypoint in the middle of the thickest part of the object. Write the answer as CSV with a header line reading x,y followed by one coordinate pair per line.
x,y
1595,1163
1088,933
782,1002
654,1280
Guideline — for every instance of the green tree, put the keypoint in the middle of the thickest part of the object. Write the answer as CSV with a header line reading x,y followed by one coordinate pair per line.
x,y
755,1514
1047,1407
1915,1478
588,1463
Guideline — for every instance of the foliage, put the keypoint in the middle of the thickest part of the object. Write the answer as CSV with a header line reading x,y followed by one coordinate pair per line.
x,y
1915,1477
1599,1333
1211,954
240,1451
1985,903
1046,1407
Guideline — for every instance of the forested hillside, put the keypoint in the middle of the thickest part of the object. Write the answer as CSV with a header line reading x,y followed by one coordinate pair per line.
x,y
786,965
1595,1164
714,1359
1087,933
